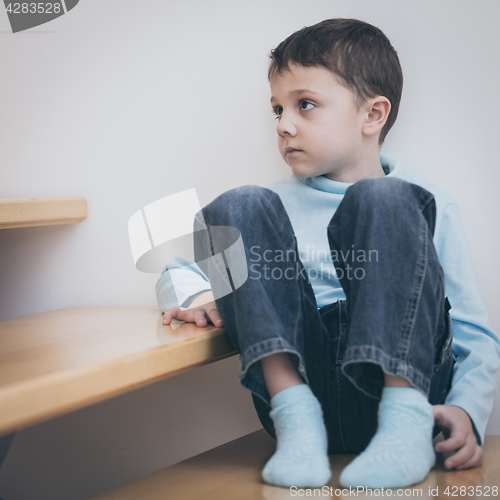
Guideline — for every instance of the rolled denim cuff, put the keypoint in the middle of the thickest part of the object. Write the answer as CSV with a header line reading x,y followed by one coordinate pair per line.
x,y
364,377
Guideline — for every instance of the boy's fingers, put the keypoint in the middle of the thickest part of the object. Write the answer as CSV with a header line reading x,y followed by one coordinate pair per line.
x,y
450,444
215,318
170,314
454,442
464,454
178,313
199,316
476,460
196,315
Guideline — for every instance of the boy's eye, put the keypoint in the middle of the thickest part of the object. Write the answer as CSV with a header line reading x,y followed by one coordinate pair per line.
x,y
278,110
304,105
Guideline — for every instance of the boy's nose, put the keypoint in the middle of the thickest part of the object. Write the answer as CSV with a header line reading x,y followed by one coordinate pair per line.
x,y
286,126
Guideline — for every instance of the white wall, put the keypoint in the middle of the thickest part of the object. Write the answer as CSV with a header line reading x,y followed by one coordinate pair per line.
x,y
124,102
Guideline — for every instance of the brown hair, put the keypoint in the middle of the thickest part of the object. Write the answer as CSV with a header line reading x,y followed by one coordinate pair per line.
x,y
356,52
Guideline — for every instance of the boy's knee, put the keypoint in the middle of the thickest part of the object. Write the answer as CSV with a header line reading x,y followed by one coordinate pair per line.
x,y
242,199
249,194
376,187
385,192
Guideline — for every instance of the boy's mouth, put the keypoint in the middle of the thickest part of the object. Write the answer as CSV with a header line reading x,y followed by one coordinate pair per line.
x,y
292,151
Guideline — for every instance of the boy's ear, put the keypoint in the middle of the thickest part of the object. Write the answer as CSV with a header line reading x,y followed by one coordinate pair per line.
x,y
377,109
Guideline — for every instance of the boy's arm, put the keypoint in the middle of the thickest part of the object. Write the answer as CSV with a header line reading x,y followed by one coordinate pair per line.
x,y
180,283
476,347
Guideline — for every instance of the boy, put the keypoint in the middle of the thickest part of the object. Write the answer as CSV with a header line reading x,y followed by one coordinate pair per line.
x,y
343,325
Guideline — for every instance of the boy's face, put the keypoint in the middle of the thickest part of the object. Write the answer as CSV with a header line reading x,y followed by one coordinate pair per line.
x,y
320,130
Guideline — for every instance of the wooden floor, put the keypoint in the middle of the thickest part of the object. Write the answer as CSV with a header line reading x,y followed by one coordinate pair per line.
x,y
232,472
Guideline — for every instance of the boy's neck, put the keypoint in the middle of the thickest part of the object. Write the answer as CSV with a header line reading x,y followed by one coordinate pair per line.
x,y
360,168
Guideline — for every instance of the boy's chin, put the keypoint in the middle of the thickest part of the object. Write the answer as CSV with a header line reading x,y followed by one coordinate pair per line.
x,y
303,172
300,172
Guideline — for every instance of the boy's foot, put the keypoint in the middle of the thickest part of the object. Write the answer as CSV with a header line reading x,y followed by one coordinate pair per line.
x,y
301,457
401,452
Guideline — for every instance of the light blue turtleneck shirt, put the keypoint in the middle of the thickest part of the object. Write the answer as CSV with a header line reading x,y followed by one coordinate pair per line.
x,y
310,204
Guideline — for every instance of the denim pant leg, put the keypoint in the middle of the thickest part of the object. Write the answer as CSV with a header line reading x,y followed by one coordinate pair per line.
x,y
396,318
275,307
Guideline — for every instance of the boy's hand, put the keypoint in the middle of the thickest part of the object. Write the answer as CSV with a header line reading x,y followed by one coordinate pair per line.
x,y
203,308
457,429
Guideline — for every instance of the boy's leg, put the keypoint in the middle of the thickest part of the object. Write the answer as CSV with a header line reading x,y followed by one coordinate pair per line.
x,y
351,415
266,318
396,322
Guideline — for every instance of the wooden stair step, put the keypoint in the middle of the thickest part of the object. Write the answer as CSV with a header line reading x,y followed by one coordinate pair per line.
x,y
55,362
28,212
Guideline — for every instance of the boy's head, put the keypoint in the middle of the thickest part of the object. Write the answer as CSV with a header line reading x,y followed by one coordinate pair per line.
x,y
357,53
336,88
